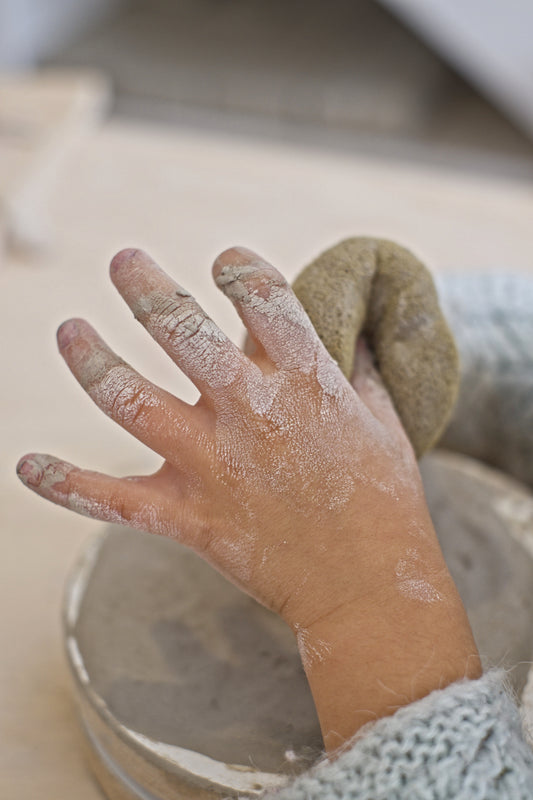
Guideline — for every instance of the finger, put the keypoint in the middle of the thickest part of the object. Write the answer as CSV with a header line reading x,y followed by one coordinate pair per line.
x,y
254,350
268,307
369,385
153,416
126,501
176,321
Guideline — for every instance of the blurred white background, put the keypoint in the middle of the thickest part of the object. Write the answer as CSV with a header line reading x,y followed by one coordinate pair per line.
x,y
430,79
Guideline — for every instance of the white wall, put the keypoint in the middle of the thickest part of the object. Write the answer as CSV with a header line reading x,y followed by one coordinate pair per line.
x,y
489,41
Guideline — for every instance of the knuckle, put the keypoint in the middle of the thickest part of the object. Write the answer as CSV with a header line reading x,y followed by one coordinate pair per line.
x,y
179,321
125,397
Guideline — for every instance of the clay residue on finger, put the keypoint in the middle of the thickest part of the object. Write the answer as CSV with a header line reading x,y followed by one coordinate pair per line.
x,y
49,477
190,336
91,507
46,474
270,309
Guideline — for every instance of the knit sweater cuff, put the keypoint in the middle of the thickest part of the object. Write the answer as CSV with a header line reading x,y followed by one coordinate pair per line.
x,y
464,742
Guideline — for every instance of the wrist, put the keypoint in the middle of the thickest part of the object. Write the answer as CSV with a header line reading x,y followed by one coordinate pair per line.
x,y
368,658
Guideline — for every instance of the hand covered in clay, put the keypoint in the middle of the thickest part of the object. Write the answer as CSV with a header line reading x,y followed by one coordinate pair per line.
x,y
299,486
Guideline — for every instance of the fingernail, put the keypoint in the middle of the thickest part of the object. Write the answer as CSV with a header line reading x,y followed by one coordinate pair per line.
x,y
235,257
125,259
67,332
39,471
29,472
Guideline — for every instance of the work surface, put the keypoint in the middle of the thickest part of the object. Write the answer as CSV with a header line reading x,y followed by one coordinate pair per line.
x,y
184,195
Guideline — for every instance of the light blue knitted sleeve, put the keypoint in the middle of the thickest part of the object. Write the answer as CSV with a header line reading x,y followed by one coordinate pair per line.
x,y
464,742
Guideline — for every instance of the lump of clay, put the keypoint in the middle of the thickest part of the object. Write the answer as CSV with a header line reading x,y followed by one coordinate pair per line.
x,y
376,288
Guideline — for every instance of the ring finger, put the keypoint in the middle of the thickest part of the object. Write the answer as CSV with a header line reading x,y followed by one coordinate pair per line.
x,y
143,409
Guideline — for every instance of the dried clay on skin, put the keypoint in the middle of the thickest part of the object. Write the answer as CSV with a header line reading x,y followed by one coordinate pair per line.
x,y
280,317
271,396
312,652
411,584
193,339
48,476
313,468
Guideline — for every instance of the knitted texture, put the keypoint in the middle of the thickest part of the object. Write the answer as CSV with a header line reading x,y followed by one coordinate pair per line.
x,y
464,742
490,316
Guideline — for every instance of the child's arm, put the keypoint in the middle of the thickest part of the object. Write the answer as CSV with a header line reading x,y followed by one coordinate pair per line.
x,y
302,491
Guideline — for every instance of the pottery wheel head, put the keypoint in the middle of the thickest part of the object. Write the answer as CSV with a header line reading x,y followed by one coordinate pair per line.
x,y
186,684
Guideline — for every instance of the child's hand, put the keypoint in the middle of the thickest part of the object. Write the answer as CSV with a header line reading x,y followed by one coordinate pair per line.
x,y
299,489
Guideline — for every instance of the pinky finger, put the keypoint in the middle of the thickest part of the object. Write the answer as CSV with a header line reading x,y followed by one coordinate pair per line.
x,y
126,501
